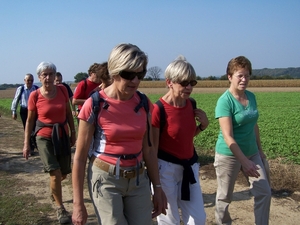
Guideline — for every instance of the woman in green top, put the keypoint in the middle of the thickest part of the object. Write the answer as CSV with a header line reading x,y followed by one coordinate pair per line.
x,y
238,145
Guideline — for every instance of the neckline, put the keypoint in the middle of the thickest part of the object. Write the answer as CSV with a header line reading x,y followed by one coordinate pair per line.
x,y
246,103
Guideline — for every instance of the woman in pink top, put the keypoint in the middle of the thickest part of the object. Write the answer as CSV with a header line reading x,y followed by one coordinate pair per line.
x,y
118,183
49,106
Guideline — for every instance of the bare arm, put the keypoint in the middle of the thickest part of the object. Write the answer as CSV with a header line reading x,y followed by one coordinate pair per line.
x,y
85,133
78,101
249,168
71,124
28,129
150,157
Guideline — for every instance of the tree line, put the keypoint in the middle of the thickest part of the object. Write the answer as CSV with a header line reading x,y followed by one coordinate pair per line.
x,y
156,73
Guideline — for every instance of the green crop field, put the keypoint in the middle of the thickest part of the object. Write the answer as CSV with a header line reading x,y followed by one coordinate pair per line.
x,y
279,123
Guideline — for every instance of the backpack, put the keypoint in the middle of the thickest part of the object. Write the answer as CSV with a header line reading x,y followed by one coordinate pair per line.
x,y
162,113
97,99
39,125
22,90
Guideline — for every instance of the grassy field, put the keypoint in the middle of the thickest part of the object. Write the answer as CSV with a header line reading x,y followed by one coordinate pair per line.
x,y
278,122
279,125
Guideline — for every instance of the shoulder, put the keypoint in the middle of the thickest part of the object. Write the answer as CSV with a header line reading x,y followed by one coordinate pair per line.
x,y
250,94
81,83
64,84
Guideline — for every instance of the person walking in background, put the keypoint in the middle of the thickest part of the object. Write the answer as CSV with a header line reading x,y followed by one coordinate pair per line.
x,y
50,105
238,145
85,87
59,80
174,134
118,183
22,96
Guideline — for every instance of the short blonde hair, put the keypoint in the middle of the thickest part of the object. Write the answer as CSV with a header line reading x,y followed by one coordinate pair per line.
x,y
126,57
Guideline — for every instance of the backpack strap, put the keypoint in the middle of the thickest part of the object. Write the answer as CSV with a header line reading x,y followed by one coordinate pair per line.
x,y
144,103
85,84
162,113
194,103
162,116
96,98
21,92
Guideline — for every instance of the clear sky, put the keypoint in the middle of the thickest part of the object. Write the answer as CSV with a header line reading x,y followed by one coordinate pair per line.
x,y
74,34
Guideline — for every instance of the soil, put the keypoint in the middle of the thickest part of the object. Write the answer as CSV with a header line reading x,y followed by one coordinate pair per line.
x,y
285,208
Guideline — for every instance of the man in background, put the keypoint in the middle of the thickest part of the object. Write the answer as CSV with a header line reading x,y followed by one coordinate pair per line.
x,y
58,80
21,97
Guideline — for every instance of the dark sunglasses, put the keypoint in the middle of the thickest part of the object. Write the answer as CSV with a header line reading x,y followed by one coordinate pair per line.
x,y
129,75
186,83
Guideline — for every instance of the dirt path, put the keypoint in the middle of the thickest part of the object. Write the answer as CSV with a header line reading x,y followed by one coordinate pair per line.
x,y
283,210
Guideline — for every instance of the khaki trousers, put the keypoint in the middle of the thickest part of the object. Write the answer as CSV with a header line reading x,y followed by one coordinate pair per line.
x,y
119,201
227,169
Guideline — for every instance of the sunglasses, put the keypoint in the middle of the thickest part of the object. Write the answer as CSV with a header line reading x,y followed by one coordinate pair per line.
x,y
186,83
129,75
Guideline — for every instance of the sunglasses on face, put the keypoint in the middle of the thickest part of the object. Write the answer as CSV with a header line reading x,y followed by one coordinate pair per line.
x,y
129,75
186,83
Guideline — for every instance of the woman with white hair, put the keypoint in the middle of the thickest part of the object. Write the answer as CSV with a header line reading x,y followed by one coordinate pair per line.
x,y
177,158
49,107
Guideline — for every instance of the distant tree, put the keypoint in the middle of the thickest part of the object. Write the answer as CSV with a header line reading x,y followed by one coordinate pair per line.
x,y
198,78
224,77
148,78
154,72
211,78
80,76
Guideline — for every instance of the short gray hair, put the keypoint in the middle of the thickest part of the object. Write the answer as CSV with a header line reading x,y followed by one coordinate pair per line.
x,y
45,65
28,75
180,69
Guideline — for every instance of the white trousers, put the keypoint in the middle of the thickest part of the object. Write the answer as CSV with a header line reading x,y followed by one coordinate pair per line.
x,y
192,211
227,169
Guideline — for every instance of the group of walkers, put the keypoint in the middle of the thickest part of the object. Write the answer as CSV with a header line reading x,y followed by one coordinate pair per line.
x,y
138,152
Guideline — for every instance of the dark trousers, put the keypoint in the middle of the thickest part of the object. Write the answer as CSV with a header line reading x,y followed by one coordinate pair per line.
x,y
23,115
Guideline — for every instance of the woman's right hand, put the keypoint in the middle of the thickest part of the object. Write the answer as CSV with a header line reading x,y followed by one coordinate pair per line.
x,y
79,216
26,151
250,169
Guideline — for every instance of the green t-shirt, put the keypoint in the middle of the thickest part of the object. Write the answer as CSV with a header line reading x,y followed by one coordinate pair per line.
x,y
243,122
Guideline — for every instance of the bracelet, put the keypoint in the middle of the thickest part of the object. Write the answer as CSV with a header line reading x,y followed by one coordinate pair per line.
x,y
201,128
157,185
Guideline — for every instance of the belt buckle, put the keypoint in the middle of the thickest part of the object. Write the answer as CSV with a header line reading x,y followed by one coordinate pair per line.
x,y
128,174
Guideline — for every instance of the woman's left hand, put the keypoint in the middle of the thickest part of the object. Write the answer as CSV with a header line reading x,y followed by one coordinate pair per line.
x,y
159,202
201,117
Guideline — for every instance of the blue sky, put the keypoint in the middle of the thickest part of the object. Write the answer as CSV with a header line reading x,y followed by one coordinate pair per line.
x,y
75,34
